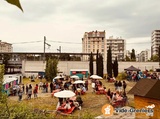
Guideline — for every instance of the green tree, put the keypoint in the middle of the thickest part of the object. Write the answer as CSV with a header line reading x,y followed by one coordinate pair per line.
x,y
109,62
127,58
16,3
51,69
154,58
133,56
64,57
159,54
5,59
91,64
97,59
101,67
115,68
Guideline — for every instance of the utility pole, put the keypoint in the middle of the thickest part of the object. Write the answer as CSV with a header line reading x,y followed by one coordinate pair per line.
x,y
44,56
59,49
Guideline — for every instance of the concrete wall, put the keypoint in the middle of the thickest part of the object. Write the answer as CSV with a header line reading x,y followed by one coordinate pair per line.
x,y
33,67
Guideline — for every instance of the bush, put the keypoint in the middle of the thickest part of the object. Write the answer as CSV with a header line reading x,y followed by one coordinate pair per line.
x,y
122,76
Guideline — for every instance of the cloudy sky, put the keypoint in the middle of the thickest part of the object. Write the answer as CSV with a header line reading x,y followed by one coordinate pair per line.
x,y
64,22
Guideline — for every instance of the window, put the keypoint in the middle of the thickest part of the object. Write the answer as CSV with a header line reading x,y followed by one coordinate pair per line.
x,y
97,34
102,50
93,34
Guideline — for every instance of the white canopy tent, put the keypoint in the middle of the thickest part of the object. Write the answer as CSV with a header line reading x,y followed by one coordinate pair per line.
x,y
64,94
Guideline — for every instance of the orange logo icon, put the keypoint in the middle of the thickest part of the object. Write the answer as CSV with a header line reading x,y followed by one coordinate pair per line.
x,y
107,110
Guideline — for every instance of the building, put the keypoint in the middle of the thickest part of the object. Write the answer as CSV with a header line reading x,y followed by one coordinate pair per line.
x,y
5,47
118,48
155,42
146,96
93,41
144,56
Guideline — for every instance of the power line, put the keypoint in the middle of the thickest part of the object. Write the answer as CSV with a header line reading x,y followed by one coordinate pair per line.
x,y
64,42
26,42
71,42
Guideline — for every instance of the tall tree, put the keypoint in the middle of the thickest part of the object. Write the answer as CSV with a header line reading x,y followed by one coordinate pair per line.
x,y
115,68
51,69
1,80
5,59
91,64
109,62
133,56
127,58
159,55
100,65
97,58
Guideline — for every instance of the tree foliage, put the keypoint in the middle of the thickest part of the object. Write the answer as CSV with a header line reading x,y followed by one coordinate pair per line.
x,y
115,68
109,62
100,66
155,58
91,64
97,58
64,57
16,3
133,56
51,69
127,58
5,59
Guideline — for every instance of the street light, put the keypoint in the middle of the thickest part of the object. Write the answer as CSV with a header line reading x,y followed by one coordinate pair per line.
x,y
45,48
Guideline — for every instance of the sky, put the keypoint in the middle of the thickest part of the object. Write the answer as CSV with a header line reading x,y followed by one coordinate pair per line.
x,y
64,23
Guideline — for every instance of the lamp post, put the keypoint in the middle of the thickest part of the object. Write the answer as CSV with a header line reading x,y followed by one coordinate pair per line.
x,y
59,49
45,48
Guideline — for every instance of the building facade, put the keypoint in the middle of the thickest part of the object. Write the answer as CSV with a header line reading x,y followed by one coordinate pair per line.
x,y
144,56
5,47
155,42
93,41
118,48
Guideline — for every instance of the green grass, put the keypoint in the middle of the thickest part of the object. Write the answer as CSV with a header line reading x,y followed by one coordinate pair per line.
x,y
92,103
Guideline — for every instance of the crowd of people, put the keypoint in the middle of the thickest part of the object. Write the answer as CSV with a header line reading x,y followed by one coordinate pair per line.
x,y
65,104
137,75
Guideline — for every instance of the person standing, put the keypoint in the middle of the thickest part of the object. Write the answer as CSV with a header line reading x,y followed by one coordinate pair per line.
x,y
23,88
51,87
86,84
27,89
116,85
46,87
124,85
35,92
29,92
20,93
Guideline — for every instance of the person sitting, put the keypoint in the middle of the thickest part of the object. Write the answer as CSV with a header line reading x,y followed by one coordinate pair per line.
x,y
83,90
67,106
114,98
79,99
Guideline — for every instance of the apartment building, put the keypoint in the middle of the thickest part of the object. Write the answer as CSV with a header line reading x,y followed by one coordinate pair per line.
x,y
118,47
93,41
5,47
145,55
155,42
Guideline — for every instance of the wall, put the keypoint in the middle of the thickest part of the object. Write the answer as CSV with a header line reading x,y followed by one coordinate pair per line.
x,y
65,66
141,102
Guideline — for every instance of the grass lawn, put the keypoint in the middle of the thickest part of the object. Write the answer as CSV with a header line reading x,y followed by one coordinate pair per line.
x,y
92,103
